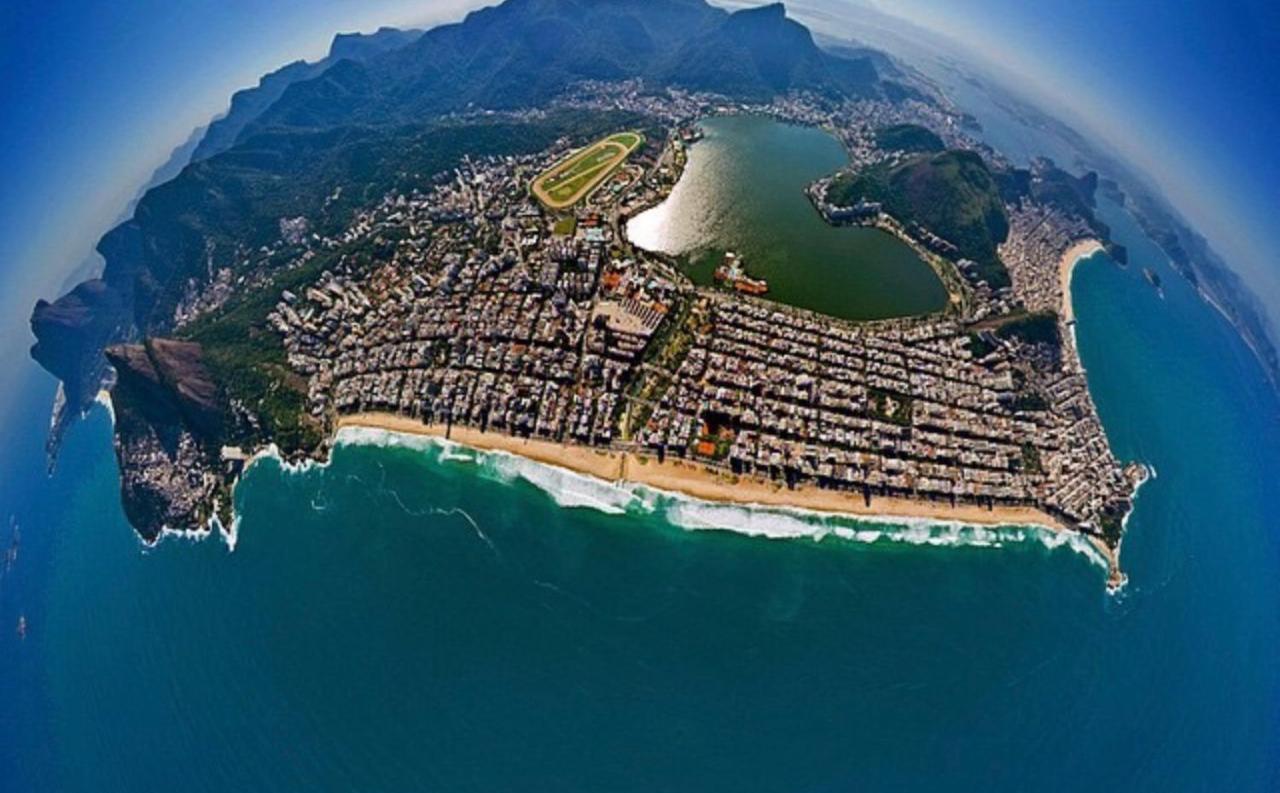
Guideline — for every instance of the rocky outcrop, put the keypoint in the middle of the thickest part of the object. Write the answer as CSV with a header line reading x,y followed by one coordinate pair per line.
x,y
757,53
82,320
169,416
141,253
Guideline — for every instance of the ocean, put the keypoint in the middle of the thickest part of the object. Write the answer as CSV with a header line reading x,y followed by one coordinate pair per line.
x,y
416,617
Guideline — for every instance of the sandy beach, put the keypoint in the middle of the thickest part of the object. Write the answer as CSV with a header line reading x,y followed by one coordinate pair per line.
x,y
707,484
1066,265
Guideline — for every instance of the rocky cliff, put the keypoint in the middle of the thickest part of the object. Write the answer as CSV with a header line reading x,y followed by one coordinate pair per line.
x,y
169,414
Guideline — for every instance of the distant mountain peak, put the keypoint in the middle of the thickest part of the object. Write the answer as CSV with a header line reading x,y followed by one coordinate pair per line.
x,y
770,10
521,53
361,46
250,103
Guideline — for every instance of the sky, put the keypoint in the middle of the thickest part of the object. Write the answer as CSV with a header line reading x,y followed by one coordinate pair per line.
x,y
1187,90
95,95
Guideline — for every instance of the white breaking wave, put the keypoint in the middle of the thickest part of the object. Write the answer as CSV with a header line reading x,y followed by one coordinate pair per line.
x,y
794,523
372,436
168,533
708,516
272,452
567,488
212,527
452,454
571,489
104,398
229,534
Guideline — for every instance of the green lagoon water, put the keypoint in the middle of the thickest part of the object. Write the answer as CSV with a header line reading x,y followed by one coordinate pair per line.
x,y
414,618
743,190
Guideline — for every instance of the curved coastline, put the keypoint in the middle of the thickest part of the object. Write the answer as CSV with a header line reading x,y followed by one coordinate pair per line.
x,y
1072,256
693,481
708,487
690,480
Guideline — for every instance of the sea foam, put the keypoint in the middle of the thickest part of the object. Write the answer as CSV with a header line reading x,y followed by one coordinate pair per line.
x,y
104,399
798,523
571,489
567,488
574,490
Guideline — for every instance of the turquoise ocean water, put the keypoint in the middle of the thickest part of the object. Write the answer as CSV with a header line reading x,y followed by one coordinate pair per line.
x,y
403,619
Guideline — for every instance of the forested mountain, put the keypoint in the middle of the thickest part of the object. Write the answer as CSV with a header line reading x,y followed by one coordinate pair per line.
x,y
372,111
951,193
525,52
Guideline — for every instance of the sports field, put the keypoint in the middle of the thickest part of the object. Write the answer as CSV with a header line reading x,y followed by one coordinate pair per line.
x,y
573,178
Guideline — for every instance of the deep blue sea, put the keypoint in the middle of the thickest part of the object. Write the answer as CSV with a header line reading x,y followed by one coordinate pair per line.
x,y
418,619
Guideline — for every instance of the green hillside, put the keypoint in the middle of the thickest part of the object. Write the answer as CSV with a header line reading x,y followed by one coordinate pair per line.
x,y
952,194
318,140
909,138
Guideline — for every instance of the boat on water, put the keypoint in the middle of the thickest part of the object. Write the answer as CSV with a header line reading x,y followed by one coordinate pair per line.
x,y
22,627
732,273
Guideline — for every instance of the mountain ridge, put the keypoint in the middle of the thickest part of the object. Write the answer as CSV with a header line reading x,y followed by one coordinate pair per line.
x,y
248,103
524,52
305,125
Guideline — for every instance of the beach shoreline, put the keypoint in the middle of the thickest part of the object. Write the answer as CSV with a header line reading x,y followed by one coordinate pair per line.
x,y
692,479
1066,266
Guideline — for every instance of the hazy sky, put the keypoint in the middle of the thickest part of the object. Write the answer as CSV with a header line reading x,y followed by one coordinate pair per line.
x,y
94,96
1185,89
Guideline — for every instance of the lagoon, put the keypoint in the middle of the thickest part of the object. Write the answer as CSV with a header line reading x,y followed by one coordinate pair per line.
x,y
743,190
405,620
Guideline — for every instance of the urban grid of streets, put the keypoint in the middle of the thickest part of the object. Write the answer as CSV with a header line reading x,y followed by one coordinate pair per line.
x,y
496,314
